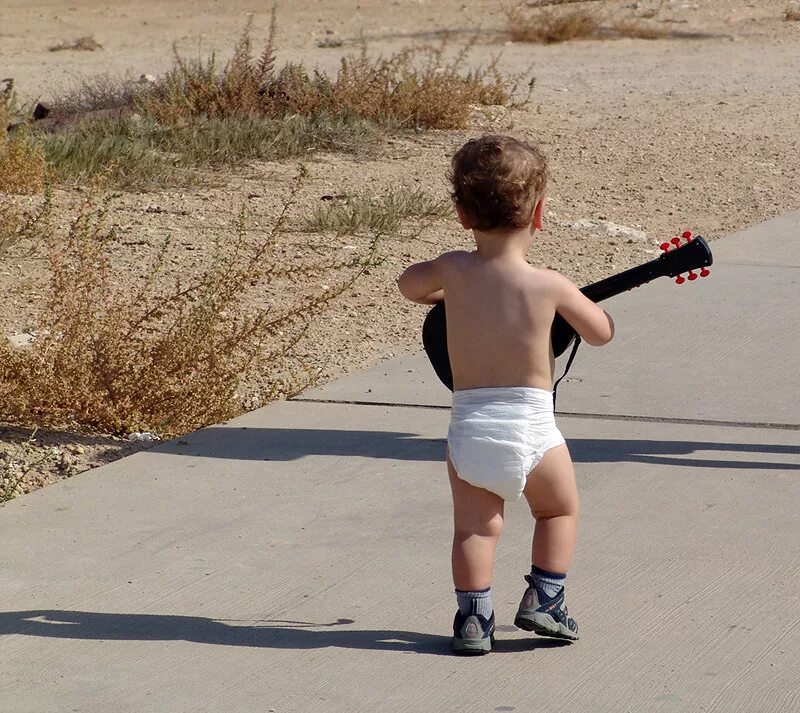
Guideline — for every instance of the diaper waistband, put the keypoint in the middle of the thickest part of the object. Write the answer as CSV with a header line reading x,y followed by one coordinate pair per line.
x,y
504,394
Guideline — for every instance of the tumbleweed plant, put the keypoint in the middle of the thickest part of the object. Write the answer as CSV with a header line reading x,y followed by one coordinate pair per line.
x,y
120,360
552,21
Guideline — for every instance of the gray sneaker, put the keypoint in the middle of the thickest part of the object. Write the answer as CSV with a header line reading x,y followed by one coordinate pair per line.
x,y
543,615
473,633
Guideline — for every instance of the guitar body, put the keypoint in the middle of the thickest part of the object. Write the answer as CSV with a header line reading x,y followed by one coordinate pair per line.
x,y
434,341
676,259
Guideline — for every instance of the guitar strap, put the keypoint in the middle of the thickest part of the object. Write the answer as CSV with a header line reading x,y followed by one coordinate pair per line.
x,y
566,369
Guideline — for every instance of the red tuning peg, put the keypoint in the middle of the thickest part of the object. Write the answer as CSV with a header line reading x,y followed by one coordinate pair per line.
x,y
676,242
687,235
705,272
665,246
692,275
680,279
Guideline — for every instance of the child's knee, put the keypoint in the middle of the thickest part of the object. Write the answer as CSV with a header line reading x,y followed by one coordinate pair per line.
x,y
562,505
553,513
489,527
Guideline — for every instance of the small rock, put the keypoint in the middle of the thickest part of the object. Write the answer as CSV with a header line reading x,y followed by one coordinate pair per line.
x,y
22,339
40,111
329,43
143,437
607,227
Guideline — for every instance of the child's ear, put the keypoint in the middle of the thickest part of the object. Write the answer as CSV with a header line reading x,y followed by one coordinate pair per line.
x,y
463,218
538,212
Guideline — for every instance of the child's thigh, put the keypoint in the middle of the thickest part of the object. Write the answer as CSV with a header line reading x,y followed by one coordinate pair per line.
x,y
551,488
475,509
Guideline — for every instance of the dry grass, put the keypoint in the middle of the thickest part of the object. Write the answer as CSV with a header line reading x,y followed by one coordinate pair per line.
x,y
147,359
17,463
122,150
10,227
22,164
415,88
385,214
82,44
20,227
563,22
138,152
550,25
100,93
162,130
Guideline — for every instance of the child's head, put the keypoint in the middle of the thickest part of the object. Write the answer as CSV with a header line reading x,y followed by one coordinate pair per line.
x,y
497,182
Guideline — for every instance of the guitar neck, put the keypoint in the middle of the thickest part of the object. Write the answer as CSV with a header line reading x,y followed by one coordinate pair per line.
x,y
690,256
623,281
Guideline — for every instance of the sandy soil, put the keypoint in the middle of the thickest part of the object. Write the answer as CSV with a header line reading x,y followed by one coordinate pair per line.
x,y
657,136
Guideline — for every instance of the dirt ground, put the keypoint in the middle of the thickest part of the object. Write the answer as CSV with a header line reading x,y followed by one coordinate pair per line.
x,y
698,131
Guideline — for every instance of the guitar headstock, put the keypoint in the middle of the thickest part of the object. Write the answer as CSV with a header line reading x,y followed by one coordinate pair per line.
x,y
686,253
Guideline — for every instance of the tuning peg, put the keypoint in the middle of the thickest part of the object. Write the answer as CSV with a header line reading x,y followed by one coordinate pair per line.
x,y
687,235
676,242
705,272
692,276
680,279
665,246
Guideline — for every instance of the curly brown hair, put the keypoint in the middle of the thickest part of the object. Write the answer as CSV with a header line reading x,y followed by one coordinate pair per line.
x,y
497,181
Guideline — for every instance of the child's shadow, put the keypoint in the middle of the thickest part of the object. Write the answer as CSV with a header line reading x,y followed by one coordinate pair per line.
x,y
63,624
529,643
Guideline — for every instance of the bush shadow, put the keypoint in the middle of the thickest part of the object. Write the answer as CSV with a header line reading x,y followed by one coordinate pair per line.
x,y
288,444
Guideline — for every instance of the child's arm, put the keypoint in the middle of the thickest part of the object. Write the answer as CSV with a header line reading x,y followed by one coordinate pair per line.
x,y
594,324
422,282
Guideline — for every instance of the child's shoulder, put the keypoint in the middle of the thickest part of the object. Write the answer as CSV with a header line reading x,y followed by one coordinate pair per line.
x,y
551,277
455,256
453,260
551,282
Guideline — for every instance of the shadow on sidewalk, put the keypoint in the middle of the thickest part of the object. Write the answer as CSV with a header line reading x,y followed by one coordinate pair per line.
x,y
60,624
598,450
286,444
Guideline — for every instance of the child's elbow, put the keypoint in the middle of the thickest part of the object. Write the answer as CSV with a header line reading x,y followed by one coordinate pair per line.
x,y
603,334
403,284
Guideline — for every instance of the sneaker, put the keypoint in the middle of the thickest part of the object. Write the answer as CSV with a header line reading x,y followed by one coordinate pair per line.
x,y
473,633
543,615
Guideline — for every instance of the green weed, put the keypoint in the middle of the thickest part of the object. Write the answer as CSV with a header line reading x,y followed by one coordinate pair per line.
x,y
385,214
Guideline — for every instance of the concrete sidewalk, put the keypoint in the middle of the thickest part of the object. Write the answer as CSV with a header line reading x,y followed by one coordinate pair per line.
x,y
297,558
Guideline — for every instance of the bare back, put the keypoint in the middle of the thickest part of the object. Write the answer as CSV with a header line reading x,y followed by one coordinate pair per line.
x,y
499,314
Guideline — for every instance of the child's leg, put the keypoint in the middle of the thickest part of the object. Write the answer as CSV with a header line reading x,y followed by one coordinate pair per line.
x,y
553,498
478,523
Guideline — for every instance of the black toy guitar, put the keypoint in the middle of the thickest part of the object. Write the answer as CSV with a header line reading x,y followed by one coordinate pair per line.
x,y
693,254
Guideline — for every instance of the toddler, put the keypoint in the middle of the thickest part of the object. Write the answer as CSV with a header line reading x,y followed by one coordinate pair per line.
x,y
503,441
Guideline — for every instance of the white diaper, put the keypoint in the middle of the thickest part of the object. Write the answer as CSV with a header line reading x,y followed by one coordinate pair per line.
x,y
498,435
